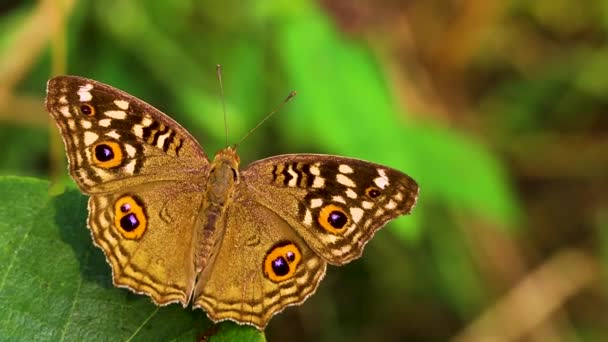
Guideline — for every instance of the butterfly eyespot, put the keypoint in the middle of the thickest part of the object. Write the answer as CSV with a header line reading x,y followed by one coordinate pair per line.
x,y
130,217
282,261
107,154
129,222
373,192
333,219
87,109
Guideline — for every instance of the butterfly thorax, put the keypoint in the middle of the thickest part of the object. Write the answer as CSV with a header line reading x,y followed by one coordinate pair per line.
x,y
223,176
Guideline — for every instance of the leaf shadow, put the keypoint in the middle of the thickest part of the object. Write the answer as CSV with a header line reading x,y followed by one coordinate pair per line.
x,y
71,218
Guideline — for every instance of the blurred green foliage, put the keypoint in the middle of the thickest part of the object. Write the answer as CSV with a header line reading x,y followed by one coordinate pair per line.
x,y
505,132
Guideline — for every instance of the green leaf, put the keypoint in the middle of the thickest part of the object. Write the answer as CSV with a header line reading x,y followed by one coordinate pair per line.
x,y
55,285
230,331
347,109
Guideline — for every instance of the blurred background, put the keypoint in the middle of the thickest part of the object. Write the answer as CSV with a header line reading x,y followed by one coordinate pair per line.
x,y
497,108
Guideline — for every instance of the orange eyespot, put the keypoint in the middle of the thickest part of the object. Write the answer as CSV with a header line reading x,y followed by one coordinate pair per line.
x,y
333,219
87,109
106,154
373,192
282,261
130,217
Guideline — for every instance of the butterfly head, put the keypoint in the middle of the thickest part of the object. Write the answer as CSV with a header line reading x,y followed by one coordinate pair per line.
x,y
227,156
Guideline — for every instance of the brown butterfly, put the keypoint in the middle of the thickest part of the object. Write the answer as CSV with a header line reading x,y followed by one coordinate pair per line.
x,y
178,227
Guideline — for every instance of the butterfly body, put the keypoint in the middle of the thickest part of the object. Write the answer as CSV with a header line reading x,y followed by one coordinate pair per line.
x,y
221,182
242,244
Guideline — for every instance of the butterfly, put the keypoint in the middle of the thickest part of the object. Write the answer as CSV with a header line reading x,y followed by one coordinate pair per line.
x,y
242,244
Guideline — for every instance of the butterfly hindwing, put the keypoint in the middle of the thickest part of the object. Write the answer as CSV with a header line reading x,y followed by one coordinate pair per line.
x,y
261,266
146,234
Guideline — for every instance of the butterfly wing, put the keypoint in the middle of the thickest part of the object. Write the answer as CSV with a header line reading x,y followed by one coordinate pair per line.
x,y
335,204
261,266
113,139
146,177
146,234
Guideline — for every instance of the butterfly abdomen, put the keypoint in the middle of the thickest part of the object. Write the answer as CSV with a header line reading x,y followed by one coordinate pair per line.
x,y
221,182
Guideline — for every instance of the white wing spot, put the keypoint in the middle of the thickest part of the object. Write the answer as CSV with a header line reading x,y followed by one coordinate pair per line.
x,y
116,114
130,150
319,182
345,169
379,212
398,196
84,92
65,110
294,180
113,134
391,205
161,139
72,124
314,170
86,124
105,122
342,179
146,121
138,130
316,202
63,100
308,218
356,214
130,167
381,182
122,104
90,137
350,193
338,199
367,205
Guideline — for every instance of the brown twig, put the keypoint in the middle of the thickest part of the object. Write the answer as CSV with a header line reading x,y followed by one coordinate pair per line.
x,y
531,302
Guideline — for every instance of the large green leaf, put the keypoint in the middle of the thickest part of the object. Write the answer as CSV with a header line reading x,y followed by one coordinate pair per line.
x,y
345,104
55,285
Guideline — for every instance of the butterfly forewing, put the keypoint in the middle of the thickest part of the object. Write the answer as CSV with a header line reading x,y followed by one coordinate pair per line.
x,y
114,140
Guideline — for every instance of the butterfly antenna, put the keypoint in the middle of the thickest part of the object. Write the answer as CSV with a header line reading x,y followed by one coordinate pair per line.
x,y
291,95
219,78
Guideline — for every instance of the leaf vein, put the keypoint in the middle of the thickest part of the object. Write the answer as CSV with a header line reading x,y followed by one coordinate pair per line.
x,y
73,307
142,325
12,262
